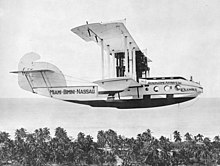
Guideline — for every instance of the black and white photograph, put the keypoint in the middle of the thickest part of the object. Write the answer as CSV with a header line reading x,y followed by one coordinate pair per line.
x,y
109,83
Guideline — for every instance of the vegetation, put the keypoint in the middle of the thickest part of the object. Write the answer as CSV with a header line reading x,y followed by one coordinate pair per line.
x,y
40,149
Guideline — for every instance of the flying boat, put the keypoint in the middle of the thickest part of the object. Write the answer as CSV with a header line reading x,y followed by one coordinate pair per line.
x,y
127,83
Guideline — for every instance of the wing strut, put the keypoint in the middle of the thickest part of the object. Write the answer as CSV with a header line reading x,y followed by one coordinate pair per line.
x,y
126,55
96,36
102,56
119,95
29,82
46,83
138,92
134,64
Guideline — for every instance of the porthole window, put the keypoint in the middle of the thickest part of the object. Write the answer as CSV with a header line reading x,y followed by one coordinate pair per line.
x,y
156,88
167,88
146,89
177,87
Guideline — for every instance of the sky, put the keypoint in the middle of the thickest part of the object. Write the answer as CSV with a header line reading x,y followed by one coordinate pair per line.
x,y
182,37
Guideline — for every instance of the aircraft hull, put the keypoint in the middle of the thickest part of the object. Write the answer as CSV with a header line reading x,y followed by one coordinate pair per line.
x,y
122,92
134,103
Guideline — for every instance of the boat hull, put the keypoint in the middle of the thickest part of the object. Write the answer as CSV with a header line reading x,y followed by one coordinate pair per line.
x,y
134,103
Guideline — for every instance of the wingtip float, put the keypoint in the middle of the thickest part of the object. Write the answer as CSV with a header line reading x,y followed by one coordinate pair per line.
x,y
127,85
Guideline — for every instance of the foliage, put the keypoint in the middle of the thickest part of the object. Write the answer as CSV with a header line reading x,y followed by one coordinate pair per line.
x,y
39,148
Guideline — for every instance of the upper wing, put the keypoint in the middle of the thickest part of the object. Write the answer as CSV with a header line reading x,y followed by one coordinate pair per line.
x,y
111,33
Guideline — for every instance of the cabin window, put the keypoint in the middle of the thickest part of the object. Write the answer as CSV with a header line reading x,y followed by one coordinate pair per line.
x,y
167,88
156,88
146,87
177,87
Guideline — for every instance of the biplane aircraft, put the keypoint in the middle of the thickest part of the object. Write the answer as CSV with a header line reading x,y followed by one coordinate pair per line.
x,y
127,84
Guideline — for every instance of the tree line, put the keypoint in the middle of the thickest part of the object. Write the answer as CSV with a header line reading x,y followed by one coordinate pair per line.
x,y
40,149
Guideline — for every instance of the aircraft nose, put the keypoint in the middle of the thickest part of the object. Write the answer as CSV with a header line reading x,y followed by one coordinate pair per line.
x,y
201,89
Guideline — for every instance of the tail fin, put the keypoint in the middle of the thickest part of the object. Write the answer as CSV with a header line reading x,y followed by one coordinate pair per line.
x,y
38,77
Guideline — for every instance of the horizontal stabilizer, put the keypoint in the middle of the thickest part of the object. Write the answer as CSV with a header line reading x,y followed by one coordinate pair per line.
x,y
34,76
31,71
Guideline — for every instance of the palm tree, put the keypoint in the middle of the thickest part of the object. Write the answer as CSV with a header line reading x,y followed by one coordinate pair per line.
x,y
151,152
83,147
177,137
111,137
4,137
42,137
188,137
5,147
21,148
207,140
165,147
145,136
217,138
101,139
59,145
199,138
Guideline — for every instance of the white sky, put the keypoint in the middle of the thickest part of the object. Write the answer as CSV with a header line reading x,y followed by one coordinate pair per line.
x,y
182,37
